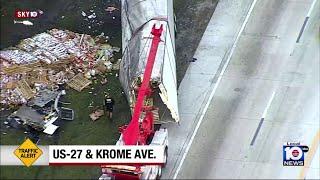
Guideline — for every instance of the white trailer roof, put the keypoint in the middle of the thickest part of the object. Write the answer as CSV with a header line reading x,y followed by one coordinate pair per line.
x,y
138,17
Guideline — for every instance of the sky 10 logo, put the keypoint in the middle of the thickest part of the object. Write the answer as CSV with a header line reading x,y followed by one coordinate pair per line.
x,y
293,154
27,13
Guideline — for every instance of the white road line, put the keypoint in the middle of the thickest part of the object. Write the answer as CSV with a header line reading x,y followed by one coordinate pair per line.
x,y
306,20
268,105
262,119
311,8
214,89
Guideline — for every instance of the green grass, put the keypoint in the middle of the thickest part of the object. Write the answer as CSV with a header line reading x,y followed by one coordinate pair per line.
x,y
101,131
82,130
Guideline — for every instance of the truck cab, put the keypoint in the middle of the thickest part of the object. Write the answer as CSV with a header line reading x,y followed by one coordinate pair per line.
x,y
160,137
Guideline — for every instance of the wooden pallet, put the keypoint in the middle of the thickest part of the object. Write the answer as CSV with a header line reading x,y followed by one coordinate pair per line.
x,y
25,89
79,82
148,102
116,65
155,115
19,69
61,64
38,76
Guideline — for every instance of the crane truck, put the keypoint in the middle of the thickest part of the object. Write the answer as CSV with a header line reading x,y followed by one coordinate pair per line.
x,y
141,129
148,77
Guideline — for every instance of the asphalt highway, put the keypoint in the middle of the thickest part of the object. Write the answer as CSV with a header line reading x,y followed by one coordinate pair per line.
x,y
268,95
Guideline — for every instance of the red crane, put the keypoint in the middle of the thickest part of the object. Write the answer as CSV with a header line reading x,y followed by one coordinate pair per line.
x,y
140,132
136,133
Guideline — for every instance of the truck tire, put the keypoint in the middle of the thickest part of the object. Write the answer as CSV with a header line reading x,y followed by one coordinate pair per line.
x,y
175,25
159,174
165,156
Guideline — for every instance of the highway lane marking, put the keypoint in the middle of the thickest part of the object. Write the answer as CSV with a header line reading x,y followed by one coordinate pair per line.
x,y
306,20
311,8
264,114
268,105
313,149
215,88
256,132
302,29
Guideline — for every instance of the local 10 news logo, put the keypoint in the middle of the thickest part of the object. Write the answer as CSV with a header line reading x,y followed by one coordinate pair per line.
x,y
293,154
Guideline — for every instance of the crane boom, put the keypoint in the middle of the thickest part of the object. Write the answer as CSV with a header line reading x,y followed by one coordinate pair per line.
x,y
142,132
135,134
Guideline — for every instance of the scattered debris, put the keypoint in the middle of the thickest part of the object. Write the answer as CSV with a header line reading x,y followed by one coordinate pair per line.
x,y
115,49
25,22
50,129
66,114
193,60
108,65
34,72
45,96
93,15
79,82
104,81
96,114
116,66
29,116
49,59
16,56
110,9
40,11
24,89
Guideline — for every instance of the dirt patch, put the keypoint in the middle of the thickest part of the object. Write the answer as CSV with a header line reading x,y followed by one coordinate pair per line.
x,y
192,18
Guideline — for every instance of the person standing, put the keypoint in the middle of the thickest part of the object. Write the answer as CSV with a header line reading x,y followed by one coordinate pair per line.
x,y
109,103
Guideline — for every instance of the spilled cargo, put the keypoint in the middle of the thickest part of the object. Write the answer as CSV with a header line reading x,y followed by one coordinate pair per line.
x,y
35,73
50,59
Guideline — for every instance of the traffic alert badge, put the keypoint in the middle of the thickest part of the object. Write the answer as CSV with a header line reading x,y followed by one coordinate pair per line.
x,y
31,154
28,152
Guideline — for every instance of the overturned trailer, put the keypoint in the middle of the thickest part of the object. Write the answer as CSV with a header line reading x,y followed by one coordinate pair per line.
x,y
148,76
138,17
